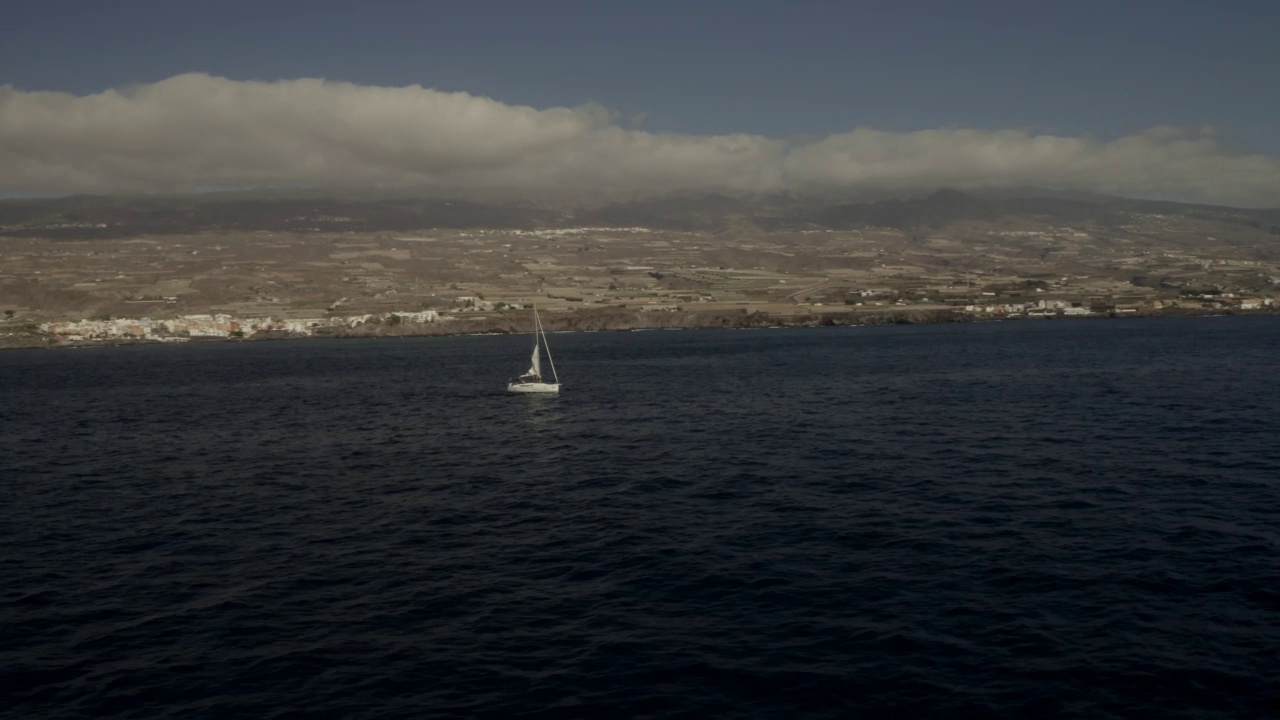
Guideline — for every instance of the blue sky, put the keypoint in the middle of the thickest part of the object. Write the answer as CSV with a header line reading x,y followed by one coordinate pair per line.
x,y
1104,68
1082,81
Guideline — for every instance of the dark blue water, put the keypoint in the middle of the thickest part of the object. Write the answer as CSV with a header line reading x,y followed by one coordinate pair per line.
x,y
1076,519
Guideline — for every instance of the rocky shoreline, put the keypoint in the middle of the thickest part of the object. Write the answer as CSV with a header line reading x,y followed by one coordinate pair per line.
x,y
607,320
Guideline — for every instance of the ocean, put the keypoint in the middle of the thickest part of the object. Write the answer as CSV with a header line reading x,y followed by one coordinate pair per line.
x,y
1016,519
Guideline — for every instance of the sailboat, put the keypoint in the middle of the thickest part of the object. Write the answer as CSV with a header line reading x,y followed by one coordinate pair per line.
x,y
532,381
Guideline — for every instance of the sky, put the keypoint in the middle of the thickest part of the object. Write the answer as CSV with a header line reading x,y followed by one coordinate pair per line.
x,y
1171,99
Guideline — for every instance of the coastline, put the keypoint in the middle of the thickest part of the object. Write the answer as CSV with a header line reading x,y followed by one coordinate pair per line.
x,y
619,321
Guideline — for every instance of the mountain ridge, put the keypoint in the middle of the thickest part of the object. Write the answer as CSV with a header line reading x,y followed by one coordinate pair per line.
x,y
102,216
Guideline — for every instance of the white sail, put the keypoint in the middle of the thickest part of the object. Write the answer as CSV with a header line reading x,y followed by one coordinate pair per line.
x,y
535,365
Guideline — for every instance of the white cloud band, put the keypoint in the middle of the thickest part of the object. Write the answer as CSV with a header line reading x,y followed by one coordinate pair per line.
x,y
193,131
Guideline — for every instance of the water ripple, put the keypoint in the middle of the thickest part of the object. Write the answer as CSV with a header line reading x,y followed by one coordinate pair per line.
x,y
1017,520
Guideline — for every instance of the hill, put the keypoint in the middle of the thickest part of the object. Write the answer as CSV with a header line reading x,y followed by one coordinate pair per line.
x,y
84,217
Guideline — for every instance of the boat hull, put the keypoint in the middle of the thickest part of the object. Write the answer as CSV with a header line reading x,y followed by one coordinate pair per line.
x,y
534,387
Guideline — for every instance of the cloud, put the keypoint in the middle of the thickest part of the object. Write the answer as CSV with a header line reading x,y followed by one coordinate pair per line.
x,y
197,131
1163,162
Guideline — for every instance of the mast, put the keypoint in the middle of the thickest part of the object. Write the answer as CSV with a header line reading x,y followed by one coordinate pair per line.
x,y
543,333
535,365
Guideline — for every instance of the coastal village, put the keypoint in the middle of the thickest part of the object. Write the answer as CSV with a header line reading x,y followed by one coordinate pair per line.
x,y
188,327
226,327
